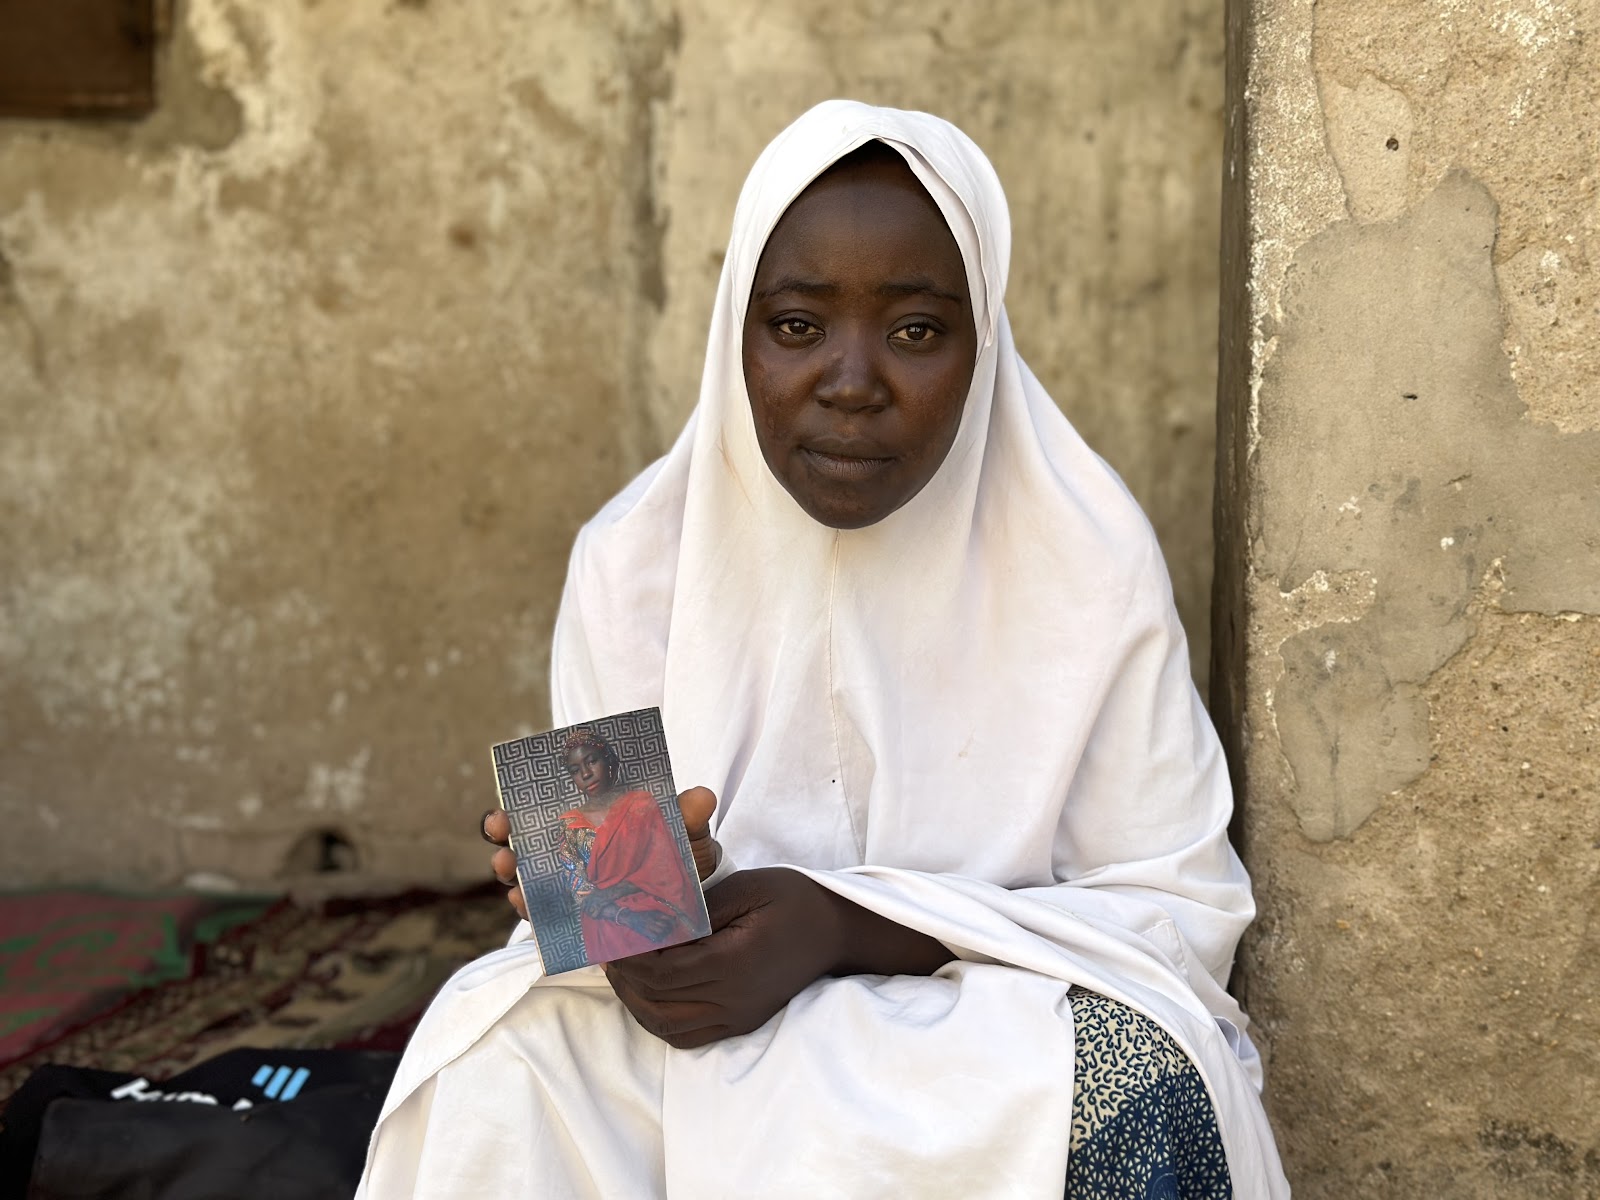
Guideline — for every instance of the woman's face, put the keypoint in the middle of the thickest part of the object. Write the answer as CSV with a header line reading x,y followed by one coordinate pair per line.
x,y
586,766
859,343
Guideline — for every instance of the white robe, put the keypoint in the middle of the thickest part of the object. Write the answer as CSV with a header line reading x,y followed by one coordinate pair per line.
x,y
974,717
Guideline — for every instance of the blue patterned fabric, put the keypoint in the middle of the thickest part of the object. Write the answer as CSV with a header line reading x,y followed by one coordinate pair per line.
x,y
1142,1123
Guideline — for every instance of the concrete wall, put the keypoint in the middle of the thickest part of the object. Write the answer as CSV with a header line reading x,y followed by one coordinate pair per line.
x,y
1408,626
307,380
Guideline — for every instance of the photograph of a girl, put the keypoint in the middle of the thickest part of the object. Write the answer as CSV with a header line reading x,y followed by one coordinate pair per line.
x,y
619,859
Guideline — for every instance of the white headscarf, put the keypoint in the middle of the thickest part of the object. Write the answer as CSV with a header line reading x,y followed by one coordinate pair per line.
x,y
989,682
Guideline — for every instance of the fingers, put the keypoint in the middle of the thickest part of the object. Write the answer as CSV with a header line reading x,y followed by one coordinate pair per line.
x,y
737,896
707,962
697,804
683,1025
677,969
700,1037
680,1025
504,865
496,827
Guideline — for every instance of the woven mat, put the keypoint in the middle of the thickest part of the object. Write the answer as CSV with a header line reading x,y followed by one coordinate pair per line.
x,y
68,956
348,973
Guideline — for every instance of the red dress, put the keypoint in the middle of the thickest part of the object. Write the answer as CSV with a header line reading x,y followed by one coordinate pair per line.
x,y
633,845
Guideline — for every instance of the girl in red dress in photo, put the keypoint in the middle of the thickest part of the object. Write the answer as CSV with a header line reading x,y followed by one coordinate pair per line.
x,y
620,859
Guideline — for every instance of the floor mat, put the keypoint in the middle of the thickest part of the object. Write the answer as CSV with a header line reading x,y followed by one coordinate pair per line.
x,y
206,977
67,957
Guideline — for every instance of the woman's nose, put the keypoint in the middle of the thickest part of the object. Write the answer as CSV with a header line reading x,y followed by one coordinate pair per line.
x,y
852,381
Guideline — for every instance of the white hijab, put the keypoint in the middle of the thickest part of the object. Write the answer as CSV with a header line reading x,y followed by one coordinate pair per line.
x,y
990,682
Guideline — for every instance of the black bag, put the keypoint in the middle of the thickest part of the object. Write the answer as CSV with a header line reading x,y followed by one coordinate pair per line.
x,y
246,1124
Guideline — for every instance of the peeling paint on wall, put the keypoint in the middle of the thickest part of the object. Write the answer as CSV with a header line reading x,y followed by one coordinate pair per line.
x,y
1412,413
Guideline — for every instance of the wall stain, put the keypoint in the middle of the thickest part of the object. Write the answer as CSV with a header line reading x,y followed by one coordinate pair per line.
x,y
14,310
1453,482
1521,1153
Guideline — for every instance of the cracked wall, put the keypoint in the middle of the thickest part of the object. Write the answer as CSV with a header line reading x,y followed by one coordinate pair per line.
x,y
307,380
1410,556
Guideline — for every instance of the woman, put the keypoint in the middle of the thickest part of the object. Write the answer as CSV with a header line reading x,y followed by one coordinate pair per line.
x,y
919,641
619,858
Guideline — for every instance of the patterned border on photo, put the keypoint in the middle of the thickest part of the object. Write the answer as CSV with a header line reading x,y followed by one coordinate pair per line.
x,y
535,790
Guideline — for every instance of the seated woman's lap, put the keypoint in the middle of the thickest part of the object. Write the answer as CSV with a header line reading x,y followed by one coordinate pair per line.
x,y
561,1098
567,1076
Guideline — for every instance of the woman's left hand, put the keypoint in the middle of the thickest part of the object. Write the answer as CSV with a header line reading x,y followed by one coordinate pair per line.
x,y
773,932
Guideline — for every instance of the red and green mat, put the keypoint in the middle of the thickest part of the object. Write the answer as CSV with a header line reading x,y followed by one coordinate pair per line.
x,y
155,982
67,957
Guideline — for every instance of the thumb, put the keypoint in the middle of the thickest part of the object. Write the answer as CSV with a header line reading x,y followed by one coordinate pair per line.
x,y
697,804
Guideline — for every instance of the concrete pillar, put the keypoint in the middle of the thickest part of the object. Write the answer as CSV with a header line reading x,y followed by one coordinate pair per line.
x,y
1406,639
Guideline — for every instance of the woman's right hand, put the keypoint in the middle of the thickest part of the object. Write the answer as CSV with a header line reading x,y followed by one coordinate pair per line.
x,y
496,828
697,804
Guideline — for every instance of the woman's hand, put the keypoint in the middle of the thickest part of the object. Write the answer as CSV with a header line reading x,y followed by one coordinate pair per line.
x,y
697,804
774,932
495,828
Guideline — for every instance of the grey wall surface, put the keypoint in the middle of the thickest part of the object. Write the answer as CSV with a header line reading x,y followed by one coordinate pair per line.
x,y
1407,631
307,380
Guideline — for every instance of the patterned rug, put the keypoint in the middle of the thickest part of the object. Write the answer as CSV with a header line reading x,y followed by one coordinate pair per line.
x,y
67,957
154,984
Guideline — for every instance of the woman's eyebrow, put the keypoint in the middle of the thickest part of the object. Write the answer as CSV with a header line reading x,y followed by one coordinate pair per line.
x,y
792,283
917,286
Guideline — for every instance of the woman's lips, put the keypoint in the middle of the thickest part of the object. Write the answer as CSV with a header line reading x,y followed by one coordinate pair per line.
x,y
844,467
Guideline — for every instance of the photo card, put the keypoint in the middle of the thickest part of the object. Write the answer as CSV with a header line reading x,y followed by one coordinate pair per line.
x,y
602,855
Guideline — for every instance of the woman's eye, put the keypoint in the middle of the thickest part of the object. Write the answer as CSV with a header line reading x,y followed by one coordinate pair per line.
x,y
794,327
917,334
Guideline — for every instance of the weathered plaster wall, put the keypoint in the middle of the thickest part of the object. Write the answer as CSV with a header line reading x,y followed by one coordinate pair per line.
x,y
1411,556
307,380
301,406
